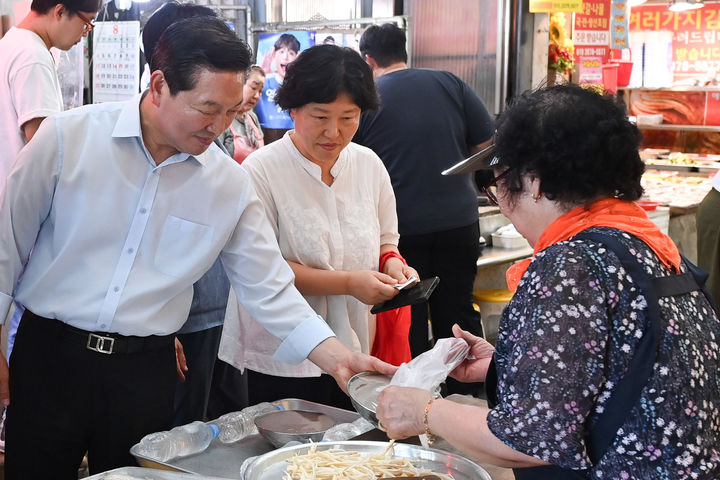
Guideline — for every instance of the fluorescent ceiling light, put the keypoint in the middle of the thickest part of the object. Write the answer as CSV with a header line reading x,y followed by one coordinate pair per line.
x,y
635,3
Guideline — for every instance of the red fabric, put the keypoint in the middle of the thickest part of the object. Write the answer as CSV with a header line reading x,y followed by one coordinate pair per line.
x,y
392,344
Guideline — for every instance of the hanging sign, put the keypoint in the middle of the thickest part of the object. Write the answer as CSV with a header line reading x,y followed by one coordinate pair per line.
x,y
591,35
619,25
695,49
547,6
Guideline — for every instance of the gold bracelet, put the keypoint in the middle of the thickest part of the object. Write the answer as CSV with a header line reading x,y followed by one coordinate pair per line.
x,y
428,434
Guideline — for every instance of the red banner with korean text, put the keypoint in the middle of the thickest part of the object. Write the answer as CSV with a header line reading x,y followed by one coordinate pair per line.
x,y
696,36
591,36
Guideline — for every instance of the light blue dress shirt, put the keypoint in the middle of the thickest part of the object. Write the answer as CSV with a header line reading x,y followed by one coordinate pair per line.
x,y
118,241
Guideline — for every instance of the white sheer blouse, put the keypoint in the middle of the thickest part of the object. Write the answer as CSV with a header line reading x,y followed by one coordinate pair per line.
x,y
337,227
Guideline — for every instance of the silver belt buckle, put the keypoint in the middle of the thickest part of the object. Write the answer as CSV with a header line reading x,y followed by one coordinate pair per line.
x,y
100,344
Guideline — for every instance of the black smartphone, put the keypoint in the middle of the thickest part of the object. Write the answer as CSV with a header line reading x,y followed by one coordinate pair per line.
x,y
418,293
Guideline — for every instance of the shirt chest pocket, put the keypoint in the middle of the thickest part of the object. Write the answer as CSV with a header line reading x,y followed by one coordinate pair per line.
x,y
184,247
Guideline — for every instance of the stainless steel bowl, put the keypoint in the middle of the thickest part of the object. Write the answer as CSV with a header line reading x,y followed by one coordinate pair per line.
x,y
285,426
273,465
364,389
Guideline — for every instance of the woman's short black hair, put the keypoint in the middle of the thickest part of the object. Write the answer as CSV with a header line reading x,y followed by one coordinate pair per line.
x,y
74,6
580,145
189,46
321,73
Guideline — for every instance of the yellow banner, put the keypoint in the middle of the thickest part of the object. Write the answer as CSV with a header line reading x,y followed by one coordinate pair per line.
x,y
538,6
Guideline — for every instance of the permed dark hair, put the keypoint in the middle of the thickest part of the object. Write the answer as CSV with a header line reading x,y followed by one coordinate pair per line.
x,y
42,6
385,43
165,16
578,143
321,73
201,43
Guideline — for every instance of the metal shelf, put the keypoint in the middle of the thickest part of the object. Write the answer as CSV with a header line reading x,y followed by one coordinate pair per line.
x,y
678,88
684,128
683,168
496,255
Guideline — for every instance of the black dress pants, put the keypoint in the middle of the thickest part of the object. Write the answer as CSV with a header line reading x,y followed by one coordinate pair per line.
x,y
451,255
67,400
192,395
229,390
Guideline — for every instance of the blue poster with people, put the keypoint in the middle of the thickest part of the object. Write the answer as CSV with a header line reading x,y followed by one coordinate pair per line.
x,y
275,52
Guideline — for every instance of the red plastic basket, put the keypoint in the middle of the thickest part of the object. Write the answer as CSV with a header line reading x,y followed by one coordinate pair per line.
x,y
610,77
625,66
624,72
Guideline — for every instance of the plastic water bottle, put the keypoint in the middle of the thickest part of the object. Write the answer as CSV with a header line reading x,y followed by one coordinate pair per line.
x,y
237,425
178,442
346,431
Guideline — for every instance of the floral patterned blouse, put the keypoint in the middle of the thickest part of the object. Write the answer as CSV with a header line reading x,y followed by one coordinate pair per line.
x,y
565,340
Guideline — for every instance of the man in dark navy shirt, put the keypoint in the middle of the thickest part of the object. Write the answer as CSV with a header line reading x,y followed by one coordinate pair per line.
x,y
428,121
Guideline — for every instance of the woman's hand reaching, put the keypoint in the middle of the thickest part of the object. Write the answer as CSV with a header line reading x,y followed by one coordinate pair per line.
x,y
474,368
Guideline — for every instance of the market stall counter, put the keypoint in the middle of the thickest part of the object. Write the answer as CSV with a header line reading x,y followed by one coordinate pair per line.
x,y
225,459
254,458
681,192
141,473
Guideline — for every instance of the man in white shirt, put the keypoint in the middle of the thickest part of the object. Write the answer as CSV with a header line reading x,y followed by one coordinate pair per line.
x,y
125,206
29,86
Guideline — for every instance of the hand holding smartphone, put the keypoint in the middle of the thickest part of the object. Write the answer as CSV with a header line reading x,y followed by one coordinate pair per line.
x,y
417,293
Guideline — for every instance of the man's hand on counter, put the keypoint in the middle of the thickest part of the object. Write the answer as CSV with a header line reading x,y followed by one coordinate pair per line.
x,y
336,359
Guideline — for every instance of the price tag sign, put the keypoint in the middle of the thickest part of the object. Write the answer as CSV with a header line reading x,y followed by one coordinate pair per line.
x,y
547,6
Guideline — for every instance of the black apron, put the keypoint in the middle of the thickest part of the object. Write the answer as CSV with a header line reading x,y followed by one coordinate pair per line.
x,y
629,388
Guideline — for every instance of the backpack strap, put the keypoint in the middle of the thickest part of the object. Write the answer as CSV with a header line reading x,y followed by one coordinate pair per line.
x,y
627,391
701,277
629,388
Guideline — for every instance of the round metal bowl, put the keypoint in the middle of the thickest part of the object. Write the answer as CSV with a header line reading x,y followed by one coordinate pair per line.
x,y
285,426
364,389
272,465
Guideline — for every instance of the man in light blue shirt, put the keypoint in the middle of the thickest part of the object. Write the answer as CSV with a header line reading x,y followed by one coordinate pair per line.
x,y
125,206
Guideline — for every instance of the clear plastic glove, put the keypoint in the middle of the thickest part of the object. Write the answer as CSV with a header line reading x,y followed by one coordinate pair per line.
x,y
401,411
428,370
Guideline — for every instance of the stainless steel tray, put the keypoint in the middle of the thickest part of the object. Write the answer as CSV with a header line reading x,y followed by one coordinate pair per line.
x,y
272,465
146,474
225,460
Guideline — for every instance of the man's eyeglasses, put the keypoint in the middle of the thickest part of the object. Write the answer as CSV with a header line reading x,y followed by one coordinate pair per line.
x,y
89,24
490,189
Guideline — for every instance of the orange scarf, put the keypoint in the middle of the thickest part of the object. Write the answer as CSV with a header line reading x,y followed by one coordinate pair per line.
x,y
610,212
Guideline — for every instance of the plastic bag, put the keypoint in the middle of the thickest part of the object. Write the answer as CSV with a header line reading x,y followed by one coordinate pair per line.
x,y
428,370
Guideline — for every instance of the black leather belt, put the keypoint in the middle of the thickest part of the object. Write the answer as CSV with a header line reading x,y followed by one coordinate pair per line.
x,y
101,342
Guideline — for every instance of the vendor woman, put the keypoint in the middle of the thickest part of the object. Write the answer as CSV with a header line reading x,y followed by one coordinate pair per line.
x,y
599,371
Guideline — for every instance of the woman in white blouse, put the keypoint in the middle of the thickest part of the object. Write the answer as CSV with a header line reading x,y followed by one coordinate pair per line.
x,y
332,206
